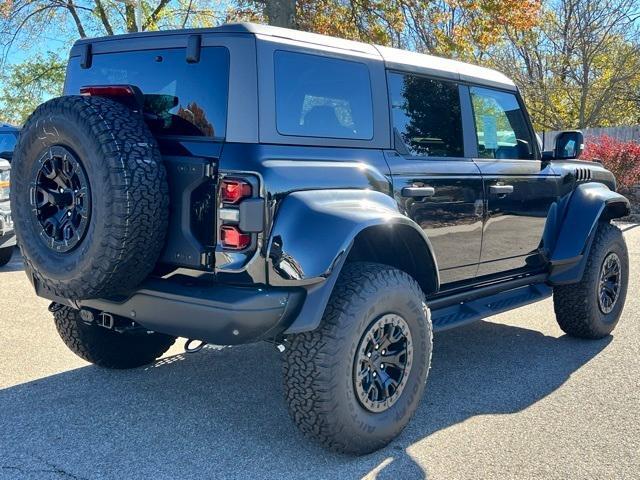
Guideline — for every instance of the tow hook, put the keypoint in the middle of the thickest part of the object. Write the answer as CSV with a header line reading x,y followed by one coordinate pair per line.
x,y
54,307
102,319
105,320
189,349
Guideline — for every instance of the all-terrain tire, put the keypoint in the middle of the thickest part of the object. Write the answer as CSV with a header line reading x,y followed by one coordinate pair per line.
x,y
5,255
319,365
577,308
108,348
126,207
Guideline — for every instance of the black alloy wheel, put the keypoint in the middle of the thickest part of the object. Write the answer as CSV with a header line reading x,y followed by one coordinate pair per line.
x,y
383,363
609,284
61,199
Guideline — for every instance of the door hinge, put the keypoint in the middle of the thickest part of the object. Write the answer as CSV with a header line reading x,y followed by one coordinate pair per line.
x,y
210,170
206,259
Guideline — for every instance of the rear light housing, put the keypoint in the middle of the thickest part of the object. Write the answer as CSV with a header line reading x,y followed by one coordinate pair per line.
x,y
240,212
107,91
233,191
232,238
129,95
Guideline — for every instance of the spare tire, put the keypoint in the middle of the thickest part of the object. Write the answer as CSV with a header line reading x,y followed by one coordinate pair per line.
x,y
89,197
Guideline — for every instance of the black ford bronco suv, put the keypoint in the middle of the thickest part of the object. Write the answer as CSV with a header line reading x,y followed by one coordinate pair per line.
x,y
341,200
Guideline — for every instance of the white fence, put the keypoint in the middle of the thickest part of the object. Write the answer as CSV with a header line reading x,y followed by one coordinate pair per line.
x,y
626,134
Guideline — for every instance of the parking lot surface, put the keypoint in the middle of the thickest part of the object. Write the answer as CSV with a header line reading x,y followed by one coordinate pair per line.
x,y
510,397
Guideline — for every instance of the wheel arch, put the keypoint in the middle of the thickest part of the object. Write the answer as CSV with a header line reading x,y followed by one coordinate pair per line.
x,y
342,226
589,204
401,247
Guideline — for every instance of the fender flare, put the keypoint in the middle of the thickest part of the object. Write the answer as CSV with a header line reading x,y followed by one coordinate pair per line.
x,y
312,235
589,204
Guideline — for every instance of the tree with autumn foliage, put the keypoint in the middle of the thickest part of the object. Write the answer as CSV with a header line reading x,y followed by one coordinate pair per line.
x,y
460,28
576,61
580,66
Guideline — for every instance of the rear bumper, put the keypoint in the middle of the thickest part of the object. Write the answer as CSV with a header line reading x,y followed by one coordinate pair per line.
x,y
219,314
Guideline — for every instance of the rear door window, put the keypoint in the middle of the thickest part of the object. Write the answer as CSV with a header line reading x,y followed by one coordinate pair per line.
x,y
187,99
426,115
322,97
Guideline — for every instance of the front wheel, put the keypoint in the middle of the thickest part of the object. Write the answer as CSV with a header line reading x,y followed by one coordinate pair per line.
x,y
592,307
355,382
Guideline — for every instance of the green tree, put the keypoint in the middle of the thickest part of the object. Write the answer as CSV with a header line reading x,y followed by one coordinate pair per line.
x,y
26,85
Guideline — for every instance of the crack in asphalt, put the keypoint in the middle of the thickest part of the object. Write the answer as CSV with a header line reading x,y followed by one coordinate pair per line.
x,y
52,469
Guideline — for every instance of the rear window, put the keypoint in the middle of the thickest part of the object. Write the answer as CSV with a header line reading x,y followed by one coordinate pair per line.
x,y
180,98
322,97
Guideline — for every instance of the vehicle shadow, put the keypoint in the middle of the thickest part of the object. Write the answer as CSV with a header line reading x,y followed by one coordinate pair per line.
x,y
220,413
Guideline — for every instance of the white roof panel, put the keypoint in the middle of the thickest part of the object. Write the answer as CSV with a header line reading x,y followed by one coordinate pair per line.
x,y
443,67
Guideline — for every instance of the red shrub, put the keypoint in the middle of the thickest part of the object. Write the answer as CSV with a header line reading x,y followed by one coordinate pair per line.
x,y
622,158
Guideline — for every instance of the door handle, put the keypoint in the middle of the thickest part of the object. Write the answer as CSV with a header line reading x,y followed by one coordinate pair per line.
x,y
418,192
501,189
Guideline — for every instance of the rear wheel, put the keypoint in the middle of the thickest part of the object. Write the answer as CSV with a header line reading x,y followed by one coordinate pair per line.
x,y
354,383
108,348
5,255
592,307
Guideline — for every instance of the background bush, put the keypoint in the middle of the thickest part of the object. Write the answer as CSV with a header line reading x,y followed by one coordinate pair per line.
x,y
622,158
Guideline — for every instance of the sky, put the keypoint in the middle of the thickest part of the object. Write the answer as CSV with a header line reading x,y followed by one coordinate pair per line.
x,y
46,44
54,38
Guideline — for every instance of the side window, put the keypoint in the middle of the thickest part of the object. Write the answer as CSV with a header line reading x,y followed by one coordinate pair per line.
x,y
426,115
501,128
322,97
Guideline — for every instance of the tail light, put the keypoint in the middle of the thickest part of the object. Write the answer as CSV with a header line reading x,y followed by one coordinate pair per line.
x,y
241,213
108,91
231,237
235,190
129,95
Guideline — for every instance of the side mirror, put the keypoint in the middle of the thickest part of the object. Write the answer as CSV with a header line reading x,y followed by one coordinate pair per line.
x,y
569,145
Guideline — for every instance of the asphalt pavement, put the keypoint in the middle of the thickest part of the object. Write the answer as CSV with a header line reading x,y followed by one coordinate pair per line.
x,y
509,397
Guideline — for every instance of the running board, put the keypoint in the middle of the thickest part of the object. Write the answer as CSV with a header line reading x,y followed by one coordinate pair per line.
x,y
466,312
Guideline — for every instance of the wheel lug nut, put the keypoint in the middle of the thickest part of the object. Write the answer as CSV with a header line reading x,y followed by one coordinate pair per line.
x,y
382,365
369,355
374,374
377,346
383,352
